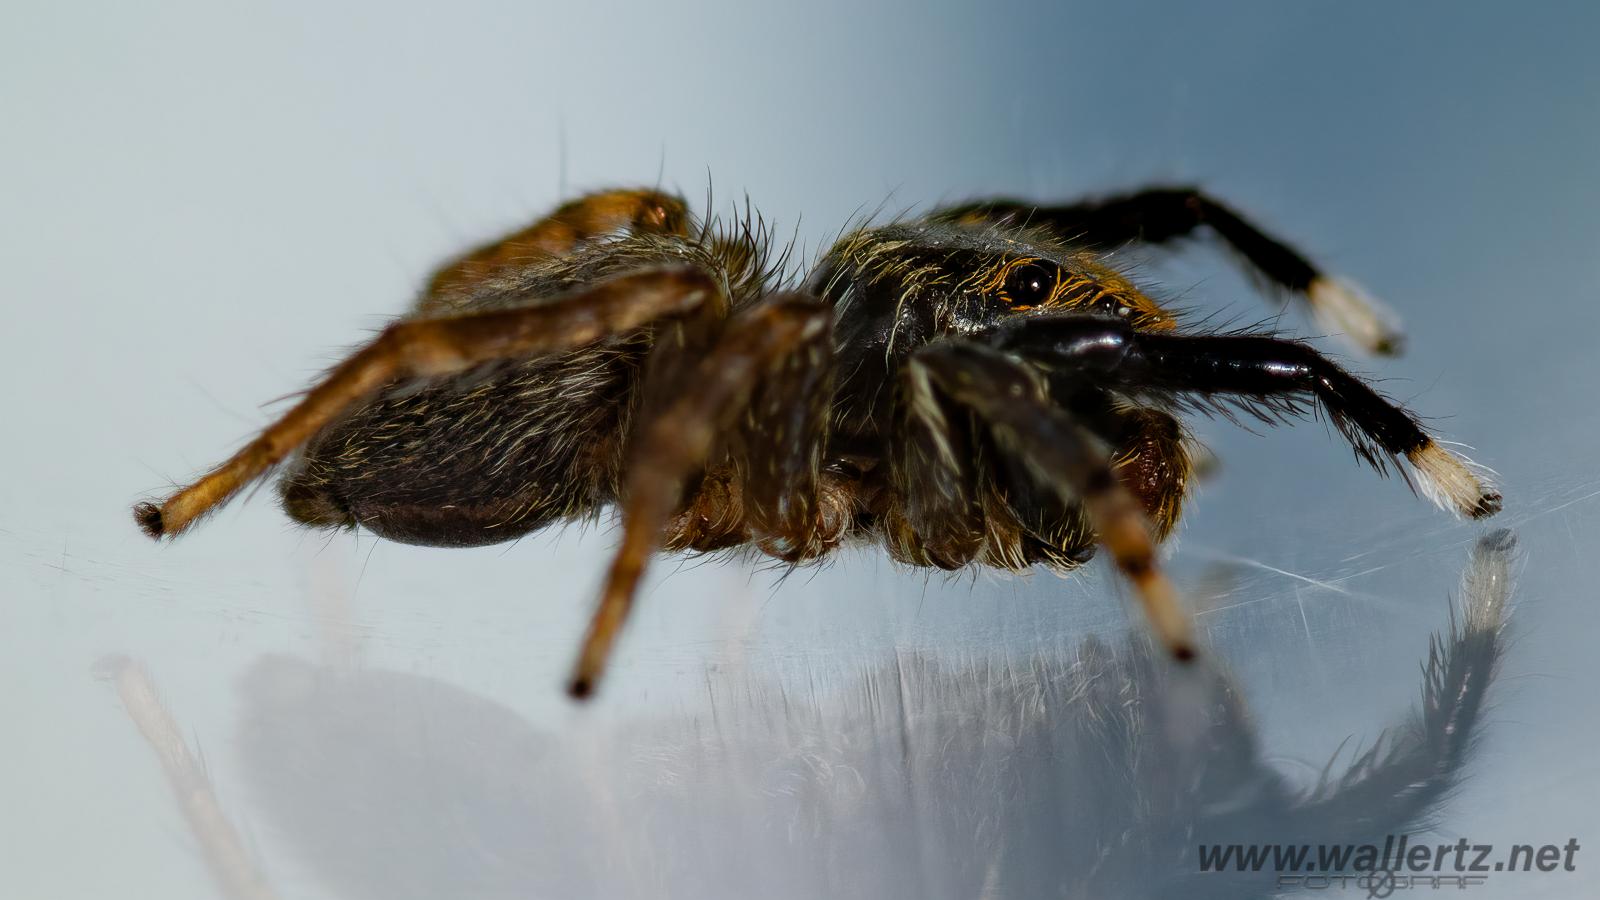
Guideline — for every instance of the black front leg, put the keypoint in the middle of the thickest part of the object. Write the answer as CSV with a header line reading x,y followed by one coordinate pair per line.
x,y
1269,373
1154,215
1159,215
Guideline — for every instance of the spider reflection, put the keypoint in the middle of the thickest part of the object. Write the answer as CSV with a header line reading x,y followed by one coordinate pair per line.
x,y
1090,770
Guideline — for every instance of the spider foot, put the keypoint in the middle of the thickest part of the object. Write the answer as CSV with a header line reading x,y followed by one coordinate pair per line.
x,y
1343,307
148,515
1454,483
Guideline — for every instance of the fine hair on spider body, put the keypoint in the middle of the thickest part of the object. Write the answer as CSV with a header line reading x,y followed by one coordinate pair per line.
x,y
974,385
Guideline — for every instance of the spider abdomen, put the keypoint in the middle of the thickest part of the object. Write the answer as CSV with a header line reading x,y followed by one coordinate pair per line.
x,y
475,462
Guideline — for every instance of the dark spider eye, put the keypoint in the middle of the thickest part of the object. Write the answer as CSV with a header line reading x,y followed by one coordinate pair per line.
x,y
1110,304
1030,284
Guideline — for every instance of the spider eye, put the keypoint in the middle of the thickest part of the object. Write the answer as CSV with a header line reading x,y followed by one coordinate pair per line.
x,y
1030,284
1113,306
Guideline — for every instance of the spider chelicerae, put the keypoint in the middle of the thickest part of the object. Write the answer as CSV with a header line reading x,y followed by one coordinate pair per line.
x,y
976,385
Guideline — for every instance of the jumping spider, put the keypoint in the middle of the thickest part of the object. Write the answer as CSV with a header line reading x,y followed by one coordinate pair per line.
x,y
976,385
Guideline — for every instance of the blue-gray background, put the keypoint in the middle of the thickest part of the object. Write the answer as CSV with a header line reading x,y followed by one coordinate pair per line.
x,y
203,201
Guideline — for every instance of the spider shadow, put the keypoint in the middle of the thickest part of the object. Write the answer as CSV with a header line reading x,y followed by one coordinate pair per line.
x,y
1084,770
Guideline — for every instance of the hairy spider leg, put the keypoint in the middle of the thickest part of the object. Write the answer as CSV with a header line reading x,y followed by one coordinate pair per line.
x,y
432,348
795,512
1010,399
557,234
1268,375
675,440
937,516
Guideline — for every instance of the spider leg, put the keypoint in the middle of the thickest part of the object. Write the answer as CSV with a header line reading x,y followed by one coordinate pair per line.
x,y
1159,215
557,234
1269,376
772,490
1155,458
675,439
1010,399
794,511
938,518
431,348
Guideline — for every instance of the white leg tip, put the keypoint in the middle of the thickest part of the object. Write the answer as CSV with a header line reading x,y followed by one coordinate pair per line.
x,y
1453,483
1342,307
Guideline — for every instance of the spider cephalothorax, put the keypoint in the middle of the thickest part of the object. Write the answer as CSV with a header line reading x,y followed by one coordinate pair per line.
x,y
976,385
